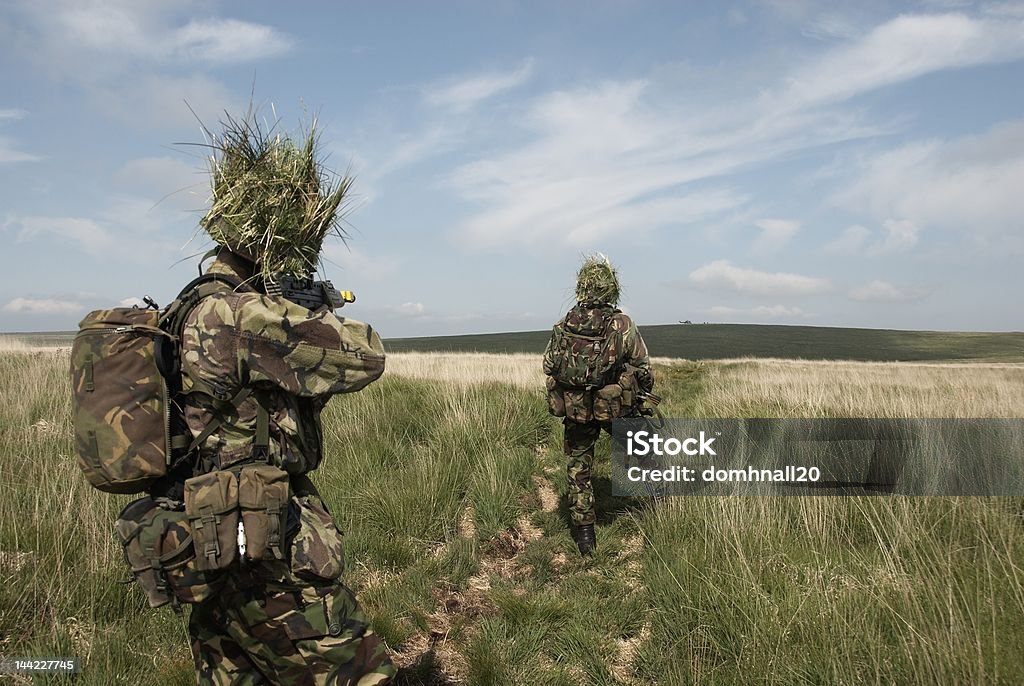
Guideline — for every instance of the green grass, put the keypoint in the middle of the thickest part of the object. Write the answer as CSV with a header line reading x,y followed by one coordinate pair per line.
x,y
460,552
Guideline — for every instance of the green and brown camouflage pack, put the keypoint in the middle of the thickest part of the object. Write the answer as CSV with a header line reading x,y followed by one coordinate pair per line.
x,y
160,553
592,361
120,400
124,379
582,351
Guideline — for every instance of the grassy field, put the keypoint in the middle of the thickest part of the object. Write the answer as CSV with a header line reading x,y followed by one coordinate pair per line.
x,y
447,477
723,341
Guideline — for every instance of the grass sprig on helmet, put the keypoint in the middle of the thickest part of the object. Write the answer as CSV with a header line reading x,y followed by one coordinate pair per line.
x,y
272,199
597,282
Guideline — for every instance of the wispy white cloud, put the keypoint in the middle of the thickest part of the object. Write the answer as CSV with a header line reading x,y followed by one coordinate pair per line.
x,y
126,228
883,291
969,184
145,31
86,234
226,40
759,313
779,312
775,232
9,151
128,57
722,275
409,309
900,235
603,153
42,306
895,236
899,50
850,242
464,93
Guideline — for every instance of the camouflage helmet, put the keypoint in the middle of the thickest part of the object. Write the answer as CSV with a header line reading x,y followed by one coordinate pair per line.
x,y
597,282
272,200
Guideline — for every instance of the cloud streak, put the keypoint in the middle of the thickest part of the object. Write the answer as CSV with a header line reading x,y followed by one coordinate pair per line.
x,y
600,154
722,275
463,94
145,32
42,306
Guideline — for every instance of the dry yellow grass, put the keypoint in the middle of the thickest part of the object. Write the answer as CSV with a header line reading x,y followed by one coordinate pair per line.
x,y
13,344
799,388
521,370
464,369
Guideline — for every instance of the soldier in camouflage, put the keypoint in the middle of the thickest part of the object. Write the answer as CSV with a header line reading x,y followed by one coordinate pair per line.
x,y
275,621
257,370
589,350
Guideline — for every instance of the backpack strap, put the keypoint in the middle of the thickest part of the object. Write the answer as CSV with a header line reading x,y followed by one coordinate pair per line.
x,y
174,321
235,402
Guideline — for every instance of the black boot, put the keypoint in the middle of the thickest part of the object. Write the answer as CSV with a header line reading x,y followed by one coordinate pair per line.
x,y
585,539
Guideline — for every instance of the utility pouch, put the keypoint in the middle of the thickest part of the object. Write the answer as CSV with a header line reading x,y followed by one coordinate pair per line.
x,y
211,503
556,403
160,553
630,388
579,405
608,403
318,550
263,494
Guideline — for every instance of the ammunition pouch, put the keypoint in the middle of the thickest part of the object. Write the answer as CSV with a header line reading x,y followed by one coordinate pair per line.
x,y
579,404
556,403
263,497
608,403
211,504
160,552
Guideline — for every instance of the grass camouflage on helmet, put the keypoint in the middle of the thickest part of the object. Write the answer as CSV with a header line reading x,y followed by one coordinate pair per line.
x,y
272,200
597,282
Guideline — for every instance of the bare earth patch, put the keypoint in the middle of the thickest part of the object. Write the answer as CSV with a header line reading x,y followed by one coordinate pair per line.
x,y
622,669
467,523
548,496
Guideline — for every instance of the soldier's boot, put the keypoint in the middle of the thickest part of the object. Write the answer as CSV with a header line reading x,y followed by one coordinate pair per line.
x,y
586,540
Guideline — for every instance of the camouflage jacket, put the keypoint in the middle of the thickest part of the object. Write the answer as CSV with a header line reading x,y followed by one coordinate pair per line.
x,y
286,353
625,347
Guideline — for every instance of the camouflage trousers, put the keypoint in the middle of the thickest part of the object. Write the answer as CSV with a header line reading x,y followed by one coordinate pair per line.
x,y
269,627
579,442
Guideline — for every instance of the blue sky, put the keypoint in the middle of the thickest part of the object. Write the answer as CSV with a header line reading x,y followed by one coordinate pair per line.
x,y
848,164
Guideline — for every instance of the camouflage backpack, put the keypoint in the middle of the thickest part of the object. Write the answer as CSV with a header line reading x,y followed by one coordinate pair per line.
x,y
582,349
125,381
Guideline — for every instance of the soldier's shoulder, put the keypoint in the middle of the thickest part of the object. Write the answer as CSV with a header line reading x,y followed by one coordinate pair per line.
x,y
622,320
234,308
213,311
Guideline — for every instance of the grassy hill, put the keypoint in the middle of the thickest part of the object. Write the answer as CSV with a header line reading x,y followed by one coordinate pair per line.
x,y
716,341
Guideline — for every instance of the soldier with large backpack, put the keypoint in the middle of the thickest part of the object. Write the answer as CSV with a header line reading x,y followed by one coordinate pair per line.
x,y
211,407
598,370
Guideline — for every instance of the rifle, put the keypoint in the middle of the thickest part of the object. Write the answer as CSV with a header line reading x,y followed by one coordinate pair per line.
x,y
308,293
